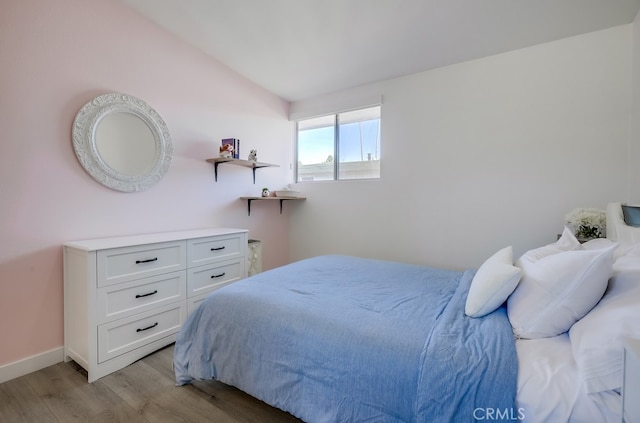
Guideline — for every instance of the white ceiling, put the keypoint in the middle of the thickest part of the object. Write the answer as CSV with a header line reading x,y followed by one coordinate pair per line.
x,y
300,49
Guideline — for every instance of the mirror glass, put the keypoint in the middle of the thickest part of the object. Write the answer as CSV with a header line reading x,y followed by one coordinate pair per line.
x,y
126,143
122,142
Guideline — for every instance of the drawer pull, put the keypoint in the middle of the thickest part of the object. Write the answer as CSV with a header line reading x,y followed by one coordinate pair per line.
x,y
218,248
147,261
148,327
146,295
218,276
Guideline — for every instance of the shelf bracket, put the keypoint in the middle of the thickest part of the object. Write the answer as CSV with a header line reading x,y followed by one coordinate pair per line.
x,y
215,170
249,200
239,162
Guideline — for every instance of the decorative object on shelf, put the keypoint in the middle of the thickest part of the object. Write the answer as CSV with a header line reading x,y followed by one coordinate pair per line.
x,y
287,192
226,151
266,192
587,223
253,156
235,147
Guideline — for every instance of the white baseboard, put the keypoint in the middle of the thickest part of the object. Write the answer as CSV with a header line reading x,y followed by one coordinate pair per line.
x,y
31,364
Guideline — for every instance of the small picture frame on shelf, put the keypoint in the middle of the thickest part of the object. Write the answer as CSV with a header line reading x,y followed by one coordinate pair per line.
x,y
234,146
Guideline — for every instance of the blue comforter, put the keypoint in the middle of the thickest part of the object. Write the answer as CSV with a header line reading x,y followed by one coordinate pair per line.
x,y
345,339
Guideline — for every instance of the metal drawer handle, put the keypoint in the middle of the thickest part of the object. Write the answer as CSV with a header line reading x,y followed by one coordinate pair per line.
x,y
218,276
147,261
218,248
148,327
146,295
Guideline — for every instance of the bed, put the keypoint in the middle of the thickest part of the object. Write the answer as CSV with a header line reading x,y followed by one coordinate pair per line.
x,y
374,346
345,339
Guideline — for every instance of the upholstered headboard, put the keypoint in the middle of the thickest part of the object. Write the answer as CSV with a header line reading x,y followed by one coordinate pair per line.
x,y
617,229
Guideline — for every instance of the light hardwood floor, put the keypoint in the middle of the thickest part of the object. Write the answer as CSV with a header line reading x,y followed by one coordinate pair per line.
x,y
143,392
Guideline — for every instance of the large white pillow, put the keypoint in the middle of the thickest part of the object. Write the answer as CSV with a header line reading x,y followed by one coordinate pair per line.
x,y
601,243
494,281
597,339
560,283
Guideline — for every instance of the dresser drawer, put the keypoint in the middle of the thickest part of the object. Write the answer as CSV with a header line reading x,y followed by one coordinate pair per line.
x,y
128,298
202,280
119,265
213,249
125,335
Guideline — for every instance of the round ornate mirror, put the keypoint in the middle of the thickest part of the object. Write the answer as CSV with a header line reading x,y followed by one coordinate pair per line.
x,y
122,142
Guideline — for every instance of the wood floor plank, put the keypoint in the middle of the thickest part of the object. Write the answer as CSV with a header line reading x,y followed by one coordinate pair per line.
x,y
137,384
244,407
19,402
120,413
143,392
162,361
67,394
184,405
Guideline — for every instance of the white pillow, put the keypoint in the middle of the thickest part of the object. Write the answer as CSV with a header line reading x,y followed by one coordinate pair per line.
x,y
566,242
494,281
597,339
598,244
558,287
601,243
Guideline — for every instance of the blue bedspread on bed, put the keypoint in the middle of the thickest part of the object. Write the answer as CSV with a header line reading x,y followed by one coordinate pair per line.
x,y
387,343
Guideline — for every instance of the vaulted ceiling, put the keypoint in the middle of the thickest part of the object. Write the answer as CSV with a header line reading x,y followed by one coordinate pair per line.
x,y
300,49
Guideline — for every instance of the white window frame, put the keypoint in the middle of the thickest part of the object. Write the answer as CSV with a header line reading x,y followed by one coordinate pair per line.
x,y
336,146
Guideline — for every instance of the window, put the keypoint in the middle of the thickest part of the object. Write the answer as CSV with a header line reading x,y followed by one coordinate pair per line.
x,y
341,146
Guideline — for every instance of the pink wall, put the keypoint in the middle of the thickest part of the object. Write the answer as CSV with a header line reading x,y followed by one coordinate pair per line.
x,y
56,56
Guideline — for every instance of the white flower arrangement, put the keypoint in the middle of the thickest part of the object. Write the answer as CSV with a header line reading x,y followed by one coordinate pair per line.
x,y
587,223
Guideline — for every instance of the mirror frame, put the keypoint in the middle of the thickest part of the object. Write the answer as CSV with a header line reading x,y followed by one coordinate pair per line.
x,y
85,147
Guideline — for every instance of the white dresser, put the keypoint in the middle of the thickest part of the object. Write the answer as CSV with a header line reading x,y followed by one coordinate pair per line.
x,y
126,297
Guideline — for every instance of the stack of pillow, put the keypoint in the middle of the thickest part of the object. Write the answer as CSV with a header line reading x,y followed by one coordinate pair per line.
x,y
547,290
570,287
598,338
